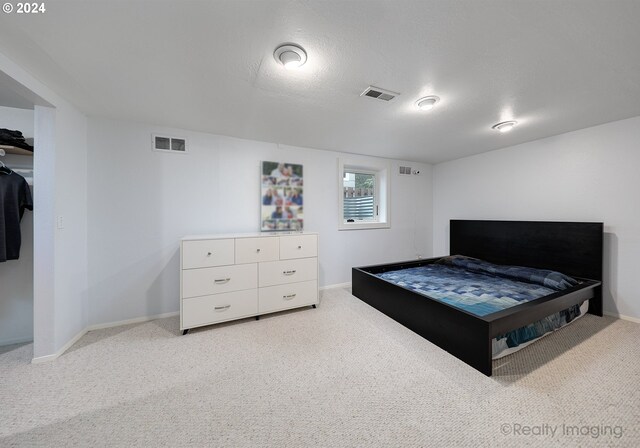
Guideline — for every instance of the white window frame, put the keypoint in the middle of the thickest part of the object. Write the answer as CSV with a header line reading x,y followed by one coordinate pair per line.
x,y
382,193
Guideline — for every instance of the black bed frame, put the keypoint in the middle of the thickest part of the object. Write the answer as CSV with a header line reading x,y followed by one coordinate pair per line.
x,y
573,248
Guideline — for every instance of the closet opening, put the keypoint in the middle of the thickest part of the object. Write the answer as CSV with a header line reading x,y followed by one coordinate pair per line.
x,y
16,222
23,122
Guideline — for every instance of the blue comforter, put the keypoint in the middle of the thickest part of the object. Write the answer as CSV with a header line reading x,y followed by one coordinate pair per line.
x,y
483,288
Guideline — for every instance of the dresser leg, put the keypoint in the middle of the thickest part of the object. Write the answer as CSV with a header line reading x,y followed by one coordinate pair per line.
x,y
185,332
257,317
313,305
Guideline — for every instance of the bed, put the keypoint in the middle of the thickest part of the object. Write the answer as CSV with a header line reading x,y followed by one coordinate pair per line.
x,y
570,248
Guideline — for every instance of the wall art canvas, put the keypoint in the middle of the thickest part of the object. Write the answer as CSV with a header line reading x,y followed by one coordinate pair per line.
x,y
282,193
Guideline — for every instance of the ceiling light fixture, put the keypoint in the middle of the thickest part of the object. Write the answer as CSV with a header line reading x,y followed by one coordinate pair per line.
x,y
427,103
505,126
290,55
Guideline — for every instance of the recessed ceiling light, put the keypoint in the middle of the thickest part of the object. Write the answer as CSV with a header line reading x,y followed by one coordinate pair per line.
x,y
505,126
291,56
427,103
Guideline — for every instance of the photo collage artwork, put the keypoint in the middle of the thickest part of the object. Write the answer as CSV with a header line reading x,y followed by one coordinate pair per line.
x,y
282,197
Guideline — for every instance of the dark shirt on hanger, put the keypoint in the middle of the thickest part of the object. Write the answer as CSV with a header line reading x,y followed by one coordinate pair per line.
x,y
15,197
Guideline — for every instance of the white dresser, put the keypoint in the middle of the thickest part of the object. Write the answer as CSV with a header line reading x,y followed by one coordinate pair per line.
x,y
227,277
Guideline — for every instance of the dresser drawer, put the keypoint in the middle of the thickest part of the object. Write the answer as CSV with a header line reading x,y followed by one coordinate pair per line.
x,y
206,281
287,271
205,310
253,250
207,253
282,297
298,246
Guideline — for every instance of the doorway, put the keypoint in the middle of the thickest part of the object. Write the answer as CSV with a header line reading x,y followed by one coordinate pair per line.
x,y
27,296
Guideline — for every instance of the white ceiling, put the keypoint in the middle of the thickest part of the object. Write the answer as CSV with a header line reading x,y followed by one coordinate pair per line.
x,y
8,98
13,94
555,66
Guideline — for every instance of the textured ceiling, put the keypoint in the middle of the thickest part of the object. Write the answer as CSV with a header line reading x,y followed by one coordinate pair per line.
x,y
555,66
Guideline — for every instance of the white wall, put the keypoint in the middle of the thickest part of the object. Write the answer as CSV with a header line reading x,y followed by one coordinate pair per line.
x,y
60,255
141,202
71,206
17,119
587,175
16,276
16,290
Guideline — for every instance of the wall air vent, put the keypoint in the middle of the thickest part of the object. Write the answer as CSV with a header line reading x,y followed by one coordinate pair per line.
x,y
164,143
407,170
379,94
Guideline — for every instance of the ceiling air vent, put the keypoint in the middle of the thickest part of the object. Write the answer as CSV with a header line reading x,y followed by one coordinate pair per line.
x,y
379,94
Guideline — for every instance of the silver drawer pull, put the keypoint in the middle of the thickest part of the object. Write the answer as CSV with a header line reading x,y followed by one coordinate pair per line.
x,y
221,281
257,250
299,247
289,272
208,254
289,297
222,308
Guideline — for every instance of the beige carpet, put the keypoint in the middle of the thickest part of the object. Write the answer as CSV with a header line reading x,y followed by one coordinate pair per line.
x,y
340,375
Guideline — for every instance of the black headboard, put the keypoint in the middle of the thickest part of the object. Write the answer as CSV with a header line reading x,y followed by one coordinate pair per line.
x,y
573,248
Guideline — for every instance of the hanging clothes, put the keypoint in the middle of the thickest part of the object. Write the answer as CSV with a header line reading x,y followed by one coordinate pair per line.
x,y
15,197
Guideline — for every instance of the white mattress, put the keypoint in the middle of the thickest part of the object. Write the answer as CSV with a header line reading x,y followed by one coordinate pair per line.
x,y
500,348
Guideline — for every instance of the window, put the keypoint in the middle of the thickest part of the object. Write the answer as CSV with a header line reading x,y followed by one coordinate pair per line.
x,y
363,195
359,198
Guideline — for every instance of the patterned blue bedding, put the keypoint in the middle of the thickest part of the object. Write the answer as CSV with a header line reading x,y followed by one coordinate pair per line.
x,y
483,288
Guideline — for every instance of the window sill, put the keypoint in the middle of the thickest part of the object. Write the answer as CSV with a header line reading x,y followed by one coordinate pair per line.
x,y
364,225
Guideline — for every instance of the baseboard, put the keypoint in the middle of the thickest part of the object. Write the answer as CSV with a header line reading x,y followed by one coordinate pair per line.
x,y
336,286
622,316
59,353
16,341
75,339
135,320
